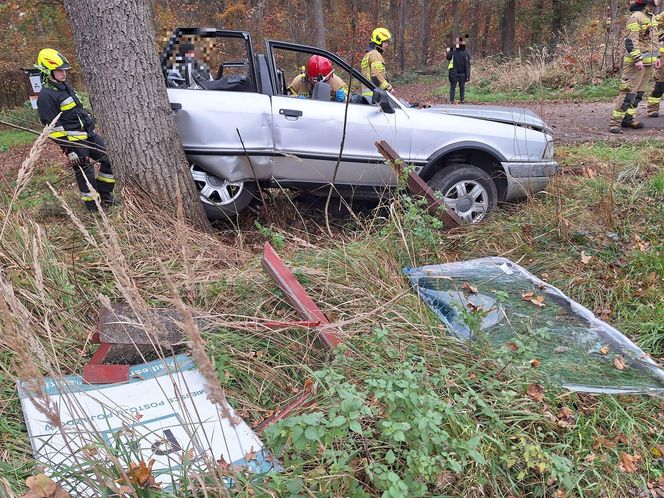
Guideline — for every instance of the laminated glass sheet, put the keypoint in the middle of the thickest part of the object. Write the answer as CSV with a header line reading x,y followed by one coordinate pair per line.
x,y
496,300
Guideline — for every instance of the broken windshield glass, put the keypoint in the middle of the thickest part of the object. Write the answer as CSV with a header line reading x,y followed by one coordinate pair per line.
x,y
497,300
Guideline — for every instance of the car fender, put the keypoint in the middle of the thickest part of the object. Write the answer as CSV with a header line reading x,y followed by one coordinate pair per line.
x,y
430,167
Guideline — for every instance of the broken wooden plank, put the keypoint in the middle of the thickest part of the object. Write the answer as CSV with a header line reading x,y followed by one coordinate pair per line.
x,y
296,294
419,187
119,324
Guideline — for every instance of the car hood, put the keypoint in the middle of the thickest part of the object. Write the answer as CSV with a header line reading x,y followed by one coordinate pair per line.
x,y
518,116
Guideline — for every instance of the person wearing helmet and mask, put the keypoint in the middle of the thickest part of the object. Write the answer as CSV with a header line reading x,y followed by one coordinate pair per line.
x,y
641,55
373,63
74,130
318,68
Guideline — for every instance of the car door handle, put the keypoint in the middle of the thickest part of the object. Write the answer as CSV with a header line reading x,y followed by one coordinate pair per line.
x,y
291,113
175,106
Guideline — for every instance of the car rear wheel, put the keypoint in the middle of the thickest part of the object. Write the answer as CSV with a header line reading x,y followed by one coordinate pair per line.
x,y
222,199
468,190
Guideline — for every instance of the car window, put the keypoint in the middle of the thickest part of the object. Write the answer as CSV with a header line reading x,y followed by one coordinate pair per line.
x,y
203,61
291,68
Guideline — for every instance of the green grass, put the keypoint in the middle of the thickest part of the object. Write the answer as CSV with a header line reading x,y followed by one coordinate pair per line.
x,y
483,92
402,409
13,138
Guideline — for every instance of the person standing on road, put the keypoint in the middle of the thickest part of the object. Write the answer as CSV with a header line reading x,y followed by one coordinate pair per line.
x,y
655,97
639,59
459,69
373,63
74,130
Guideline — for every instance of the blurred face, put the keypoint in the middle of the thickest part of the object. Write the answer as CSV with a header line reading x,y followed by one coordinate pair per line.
x,y
60,75
385,45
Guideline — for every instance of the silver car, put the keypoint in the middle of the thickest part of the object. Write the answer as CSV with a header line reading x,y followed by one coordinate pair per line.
x,y
240,129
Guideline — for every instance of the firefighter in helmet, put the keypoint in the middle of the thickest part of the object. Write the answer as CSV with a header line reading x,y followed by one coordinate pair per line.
x,y
373,64
655,97
74,130
318,68
641,54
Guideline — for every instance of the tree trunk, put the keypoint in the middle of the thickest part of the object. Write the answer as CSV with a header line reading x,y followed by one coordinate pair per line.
x,y
425,35
319,23
507,27
115,45
401,36
557,23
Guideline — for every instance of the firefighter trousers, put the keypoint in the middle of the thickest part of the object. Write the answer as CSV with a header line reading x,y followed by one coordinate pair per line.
x,y
90,151
658,90
632,88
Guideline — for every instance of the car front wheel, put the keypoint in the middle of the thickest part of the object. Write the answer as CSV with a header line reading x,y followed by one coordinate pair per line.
x,y
468,190
222,199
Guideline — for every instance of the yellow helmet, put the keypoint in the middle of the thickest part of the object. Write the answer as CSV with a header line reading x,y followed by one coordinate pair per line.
x,y
380,35
49,60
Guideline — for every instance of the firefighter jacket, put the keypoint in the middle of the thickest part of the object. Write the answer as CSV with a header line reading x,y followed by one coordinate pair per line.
x,y
75,122
459,63
641,43
373,69
301,86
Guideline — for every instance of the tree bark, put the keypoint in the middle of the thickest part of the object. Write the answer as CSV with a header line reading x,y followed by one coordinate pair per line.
x,y
507,27
557,23
402,35
115,45
425,35
319,23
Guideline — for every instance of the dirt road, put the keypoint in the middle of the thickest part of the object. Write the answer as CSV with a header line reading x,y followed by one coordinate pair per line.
x,y
571,121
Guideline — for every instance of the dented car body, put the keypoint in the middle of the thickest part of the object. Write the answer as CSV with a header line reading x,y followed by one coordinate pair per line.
x,y
241,129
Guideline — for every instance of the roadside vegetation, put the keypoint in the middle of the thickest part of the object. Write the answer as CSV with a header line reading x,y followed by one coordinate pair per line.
x,y
402,409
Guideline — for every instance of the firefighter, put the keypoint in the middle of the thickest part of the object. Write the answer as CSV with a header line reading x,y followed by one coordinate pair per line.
x,y
74,130
657,92
459,69
318,68
639,59
373,64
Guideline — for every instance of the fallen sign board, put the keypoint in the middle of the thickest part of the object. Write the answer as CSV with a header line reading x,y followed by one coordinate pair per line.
x,y
530,320
161,414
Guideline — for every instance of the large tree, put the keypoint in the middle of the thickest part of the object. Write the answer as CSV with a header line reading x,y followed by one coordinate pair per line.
x,y
116,48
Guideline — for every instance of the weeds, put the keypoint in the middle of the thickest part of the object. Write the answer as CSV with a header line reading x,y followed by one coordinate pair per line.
x,y
403,409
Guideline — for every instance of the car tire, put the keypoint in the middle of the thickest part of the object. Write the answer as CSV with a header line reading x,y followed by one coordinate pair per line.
x,y
468,190
221,199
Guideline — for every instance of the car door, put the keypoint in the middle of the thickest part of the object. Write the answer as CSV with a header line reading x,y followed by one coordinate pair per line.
x,y
221,117
307,134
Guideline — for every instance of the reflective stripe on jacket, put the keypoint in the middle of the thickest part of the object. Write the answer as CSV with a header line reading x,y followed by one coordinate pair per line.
x,y
373,69
75,123
641,41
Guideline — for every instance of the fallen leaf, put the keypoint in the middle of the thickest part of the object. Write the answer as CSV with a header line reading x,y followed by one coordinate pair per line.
x,y
536,392
41,486
250,455
619,363
585,258
512,346
561,349
602,442
590,458
560,494
472,307
140,474
533,298
472,375
628,462
469,288
566,417
657,451
535,363
445,478
235,420
604,350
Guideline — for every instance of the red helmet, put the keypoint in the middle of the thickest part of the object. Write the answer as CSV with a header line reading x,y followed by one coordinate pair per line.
x,y
319,68
645,2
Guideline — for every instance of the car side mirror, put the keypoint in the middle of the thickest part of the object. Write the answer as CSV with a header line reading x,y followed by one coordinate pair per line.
x,y
380,97
321,91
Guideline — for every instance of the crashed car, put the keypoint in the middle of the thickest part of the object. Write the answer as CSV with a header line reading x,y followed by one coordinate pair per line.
x,y
242,131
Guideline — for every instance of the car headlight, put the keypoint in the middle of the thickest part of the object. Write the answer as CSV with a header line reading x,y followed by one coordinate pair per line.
x,y
549,151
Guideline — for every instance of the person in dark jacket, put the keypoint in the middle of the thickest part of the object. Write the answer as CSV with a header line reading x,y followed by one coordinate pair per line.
x,y
459,69
74,130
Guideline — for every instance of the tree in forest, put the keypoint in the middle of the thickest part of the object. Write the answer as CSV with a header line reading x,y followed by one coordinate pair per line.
x,y
507,27
319,23
115,45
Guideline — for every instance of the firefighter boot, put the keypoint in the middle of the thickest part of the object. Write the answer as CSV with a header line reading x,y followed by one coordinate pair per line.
x,y
108,200
655,99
